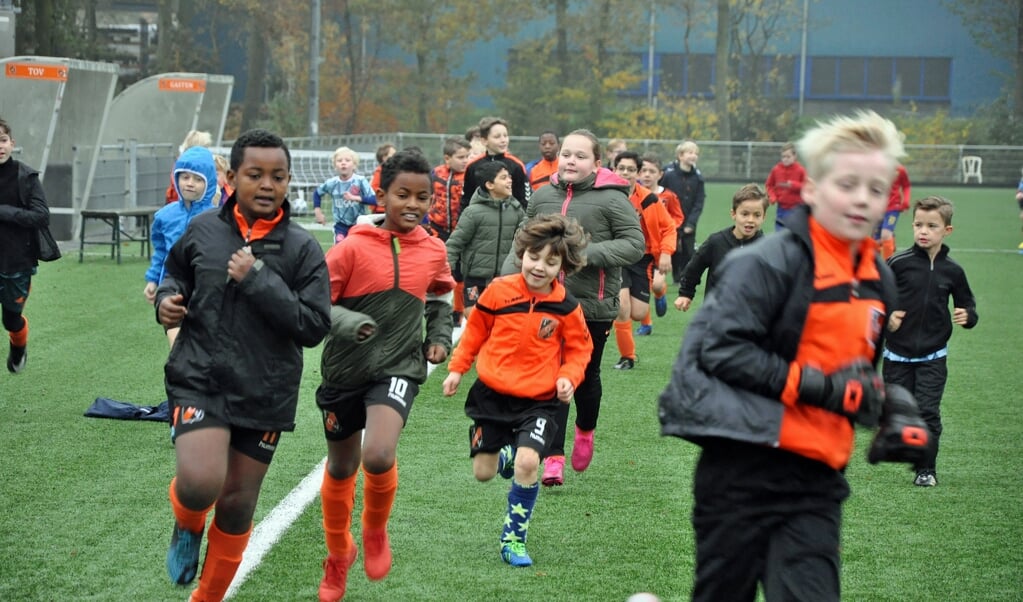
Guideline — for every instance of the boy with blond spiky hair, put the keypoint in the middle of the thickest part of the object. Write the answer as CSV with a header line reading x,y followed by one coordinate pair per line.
x,y
776,368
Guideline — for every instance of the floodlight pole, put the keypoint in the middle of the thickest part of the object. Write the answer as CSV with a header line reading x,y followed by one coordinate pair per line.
x,y
314,70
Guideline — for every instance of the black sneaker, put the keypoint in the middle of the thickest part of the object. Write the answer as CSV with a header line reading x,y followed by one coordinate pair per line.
x,y
16,358
625,364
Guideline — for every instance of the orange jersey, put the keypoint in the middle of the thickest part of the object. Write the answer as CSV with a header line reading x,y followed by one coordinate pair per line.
x,y
540,173
843,324
659,229
522,342
447,200
673,205
374,183
901,192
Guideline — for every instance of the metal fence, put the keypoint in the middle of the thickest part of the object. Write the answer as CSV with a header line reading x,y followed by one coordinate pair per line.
x,y
933,165
128,174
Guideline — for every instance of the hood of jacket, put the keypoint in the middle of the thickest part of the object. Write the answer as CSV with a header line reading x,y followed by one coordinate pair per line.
x,y
198,160
602,178
483,197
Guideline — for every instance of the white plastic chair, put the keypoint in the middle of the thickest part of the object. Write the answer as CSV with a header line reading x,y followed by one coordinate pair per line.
x,y
971,168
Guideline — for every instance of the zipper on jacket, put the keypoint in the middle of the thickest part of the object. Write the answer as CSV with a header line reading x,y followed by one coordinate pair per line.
x,y
395,251
568,199
500,230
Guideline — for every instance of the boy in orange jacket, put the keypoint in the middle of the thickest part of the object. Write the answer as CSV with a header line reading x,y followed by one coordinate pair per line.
x,y
532,344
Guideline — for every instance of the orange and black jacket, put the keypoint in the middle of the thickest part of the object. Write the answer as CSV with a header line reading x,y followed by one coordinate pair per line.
x,y
658,227
794,299
446,206
539,172
524,342
393,281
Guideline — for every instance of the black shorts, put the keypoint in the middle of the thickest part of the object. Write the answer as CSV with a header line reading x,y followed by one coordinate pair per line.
x,y
254,443
344,410
636,278
14,289
472,288
499,420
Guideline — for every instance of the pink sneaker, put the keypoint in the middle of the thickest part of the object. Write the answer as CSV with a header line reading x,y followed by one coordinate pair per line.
x,y
582,451
553,471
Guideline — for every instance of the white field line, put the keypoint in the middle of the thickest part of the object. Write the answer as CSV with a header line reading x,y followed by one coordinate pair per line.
x,y
270,530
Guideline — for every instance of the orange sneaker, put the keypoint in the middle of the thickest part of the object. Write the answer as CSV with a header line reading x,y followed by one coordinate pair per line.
x,y
378,553
335,576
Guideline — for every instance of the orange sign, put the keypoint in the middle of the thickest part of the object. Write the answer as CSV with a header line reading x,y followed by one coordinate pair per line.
x,y
56,73
172,84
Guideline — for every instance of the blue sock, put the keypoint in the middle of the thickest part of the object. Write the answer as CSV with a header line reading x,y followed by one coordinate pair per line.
x,y
520,507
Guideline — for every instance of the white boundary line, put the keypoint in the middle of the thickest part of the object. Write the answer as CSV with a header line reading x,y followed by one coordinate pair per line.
x,y
273,526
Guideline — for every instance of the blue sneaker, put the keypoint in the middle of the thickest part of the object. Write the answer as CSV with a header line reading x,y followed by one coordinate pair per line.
x,y
506,462
183,555
514,553
661,306
644,330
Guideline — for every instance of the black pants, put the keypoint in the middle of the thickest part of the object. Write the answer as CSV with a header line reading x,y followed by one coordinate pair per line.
x,y
926,381
589,392
769,517
685,246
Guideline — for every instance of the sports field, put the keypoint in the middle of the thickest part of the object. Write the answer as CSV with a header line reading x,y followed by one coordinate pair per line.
x,y
83,502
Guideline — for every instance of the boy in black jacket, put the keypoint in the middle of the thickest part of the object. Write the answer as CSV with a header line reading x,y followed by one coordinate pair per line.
x,y
920,327
24,218
685,180
249,289
749,208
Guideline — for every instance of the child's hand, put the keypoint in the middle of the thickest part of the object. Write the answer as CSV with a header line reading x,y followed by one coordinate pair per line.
x,y
451,383
240,263
960,316
150,292
565,389
683,303
1019,196
436,354
664,264
365,331
895,320
318,215
353,194
172,310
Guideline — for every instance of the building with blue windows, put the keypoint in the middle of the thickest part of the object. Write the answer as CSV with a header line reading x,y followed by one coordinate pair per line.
x,y
857,54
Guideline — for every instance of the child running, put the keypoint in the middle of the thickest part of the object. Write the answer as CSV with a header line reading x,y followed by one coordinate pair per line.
x,y
249,290
749,208
532,343
374,360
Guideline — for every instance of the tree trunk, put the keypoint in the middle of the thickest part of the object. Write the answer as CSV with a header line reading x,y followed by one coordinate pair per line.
x,y
44,28
561,52
256,78
721,77
1017,88
165,35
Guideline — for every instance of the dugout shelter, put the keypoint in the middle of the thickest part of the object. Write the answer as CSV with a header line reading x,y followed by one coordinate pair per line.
x,y
58,108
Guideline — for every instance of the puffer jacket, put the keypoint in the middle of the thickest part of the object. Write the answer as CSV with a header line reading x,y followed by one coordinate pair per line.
x,y
170,222
484,235
240,346
389,280
600,203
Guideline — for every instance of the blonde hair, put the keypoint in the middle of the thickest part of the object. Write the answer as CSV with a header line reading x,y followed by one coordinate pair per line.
x,y
686,145
863,131
221,163
196,138
345,151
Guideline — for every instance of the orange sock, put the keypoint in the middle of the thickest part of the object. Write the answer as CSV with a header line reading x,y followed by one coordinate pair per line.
x,y
623,335
338,500
458,302
378,492
223,555
20,338
647,320
887,248
188,519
